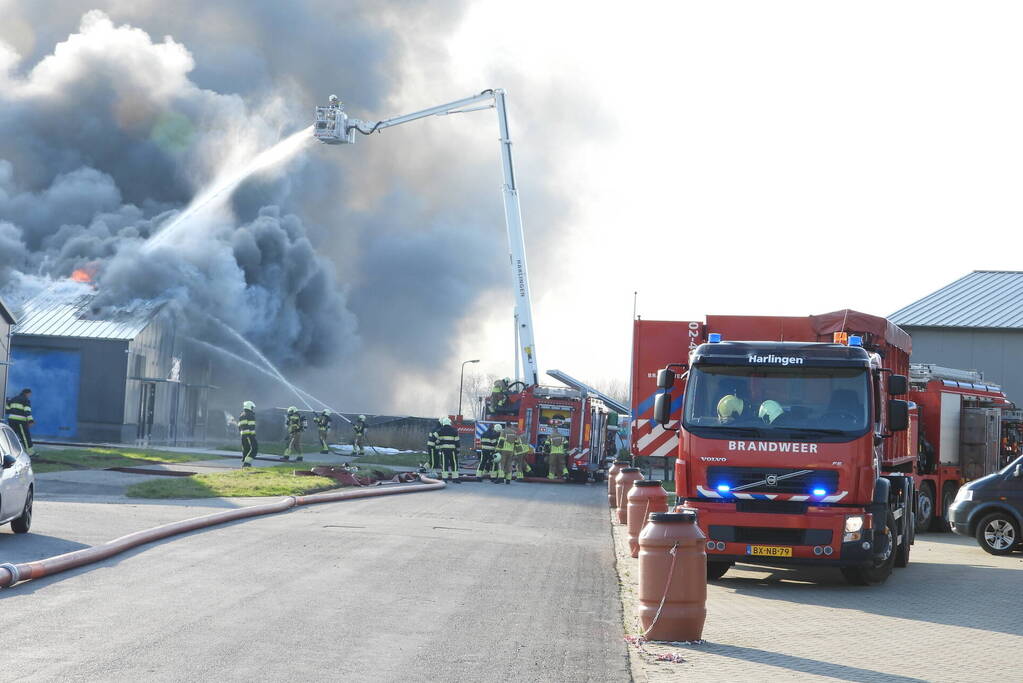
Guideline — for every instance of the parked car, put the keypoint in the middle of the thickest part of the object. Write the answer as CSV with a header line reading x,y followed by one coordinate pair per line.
x,y
991,509
17,483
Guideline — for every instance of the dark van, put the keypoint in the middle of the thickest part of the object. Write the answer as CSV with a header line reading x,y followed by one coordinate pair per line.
x,y
991,509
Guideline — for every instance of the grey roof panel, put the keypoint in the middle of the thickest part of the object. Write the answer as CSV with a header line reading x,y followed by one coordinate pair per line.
x,y
65,310
984,298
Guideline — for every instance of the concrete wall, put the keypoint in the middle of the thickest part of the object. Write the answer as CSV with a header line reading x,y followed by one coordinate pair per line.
x,y
996,353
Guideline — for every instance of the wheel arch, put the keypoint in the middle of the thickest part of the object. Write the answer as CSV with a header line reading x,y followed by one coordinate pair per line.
x,y
985,509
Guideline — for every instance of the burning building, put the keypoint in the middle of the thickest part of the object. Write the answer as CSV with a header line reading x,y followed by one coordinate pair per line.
x,y
97,375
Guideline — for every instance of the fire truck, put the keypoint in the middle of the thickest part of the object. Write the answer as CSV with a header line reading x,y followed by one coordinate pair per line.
x,y
582,417
798,439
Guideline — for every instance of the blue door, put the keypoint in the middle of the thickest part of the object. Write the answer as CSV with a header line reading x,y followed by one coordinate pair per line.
x,y
53,377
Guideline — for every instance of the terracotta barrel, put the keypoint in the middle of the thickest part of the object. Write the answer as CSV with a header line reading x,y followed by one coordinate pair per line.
x,y
616,467
678,579
623,483
644,498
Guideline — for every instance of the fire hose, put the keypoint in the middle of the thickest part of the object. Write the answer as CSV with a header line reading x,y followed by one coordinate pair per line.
x,y
11,574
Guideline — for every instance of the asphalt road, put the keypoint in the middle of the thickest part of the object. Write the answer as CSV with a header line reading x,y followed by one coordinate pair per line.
x,y
477,582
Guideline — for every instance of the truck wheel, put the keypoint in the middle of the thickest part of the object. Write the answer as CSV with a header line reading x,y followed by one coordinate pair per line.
x,y
715,570
884,558
948,494
925,508
998,534
22,524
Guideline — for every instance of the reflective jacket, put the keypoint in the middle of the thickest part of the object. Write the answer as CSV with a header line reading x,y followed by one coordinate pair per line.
x,y
19,409
294,423
447,438
555,445
322,421
247,423
359,428
488,442
431,438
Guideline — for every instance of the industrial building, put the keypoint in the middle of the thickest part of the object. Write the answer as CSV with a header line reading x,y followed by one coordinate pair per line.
x,y
975,323
120,376
6,322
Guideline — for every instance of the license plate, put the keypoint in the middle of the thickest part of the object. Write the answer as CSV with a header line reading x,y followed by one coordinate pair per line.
x,y
769,550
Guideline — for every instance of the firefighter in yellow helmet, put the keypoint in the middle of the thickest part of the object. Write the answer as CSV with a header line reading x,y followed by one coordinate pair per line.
x,y
447,447
293,423
770,411
507,439
323,428
729,407
247,430
359,437
522,450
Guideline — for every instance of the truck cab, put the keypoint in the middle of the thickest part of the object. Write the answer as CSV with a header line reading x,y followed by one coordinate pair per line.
x,y
781,451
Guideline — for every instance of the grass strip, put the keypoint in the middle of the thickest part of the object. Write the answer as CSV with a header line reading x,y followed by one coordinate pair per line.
x,y
279,480
53,460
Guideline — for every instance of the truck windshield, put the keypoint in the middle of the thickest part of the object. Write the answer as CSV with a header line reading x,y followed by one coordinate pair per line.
x,y
805,402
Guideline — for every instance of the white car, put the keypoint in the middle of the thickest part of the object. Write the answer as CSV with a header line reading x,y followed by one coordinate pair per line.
x,y
17,483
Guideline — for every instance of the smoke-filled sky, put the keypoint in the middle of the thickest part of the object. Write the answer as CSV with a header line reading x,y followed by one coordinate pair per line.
x,y
762,158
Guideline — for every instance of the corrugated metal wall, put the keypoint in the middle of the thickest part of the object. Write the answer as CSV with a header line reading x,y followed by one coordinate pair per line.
x,y
5,356
996,353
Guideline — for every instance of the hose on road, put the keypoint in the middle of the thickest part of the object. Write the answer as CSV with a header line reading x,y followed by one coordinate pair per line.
x,y
11,574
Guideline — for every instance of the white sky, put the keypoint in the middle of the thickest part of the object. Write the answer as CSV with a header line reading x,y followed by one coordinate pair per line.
x,y
761,157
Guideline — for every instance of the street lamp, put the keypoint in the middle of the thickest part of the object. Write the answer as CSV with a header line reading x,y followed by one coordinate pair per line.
x,y
461,376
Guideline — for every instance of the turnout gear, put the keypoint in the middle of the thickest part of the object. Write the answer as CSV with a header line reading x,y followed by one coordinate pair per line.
x,y
447,444
522,449
556,456
431,448
19,417
323,428
488,444
359,436
505,446
293,422
247,430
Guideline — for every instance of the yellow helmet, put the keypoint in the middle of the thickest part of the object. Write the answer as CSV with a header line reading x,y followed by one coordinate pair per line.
x,y
770,411
730,406
292,409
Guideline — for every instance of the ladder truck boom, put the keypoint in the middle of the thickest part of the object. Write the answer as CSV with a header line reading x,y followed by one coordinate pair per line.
x,y
334,126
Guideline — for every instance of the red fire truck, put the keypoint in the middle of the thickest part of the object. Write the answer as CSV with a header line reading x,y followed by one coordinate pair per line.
x,y
792,445
587,423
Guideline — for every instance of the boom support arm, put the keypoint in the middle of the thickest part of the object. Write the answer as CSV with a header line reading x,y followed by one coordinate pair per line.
x,y
334,127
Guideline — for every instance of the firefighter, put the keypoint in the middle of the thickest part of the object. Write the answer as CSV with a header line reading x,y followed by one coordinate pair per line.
x,y
293,422
19,417
359,436
499,395
447,446
556,468
247,430
488,463
505,446
431,448
521,450
323,428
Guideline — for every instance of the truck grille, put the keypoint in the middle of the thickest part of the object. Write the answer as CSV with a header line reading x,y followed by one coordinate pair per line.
x,y
737,477
780,507
769,535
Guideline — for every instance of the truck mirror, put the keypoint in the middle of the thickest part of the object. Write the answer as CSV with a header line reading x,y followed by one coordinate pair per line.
x,y
662,407
898,415
1018,472
665,378
898,385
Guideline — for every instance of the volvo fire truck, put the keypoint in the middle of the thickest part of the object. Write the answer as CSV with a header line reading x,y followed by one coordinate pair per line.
x,y
795,441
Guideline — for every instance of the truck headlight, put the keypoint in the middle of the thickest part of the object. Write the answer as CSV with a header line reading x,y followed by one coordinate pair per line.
x,y
853,523
964,494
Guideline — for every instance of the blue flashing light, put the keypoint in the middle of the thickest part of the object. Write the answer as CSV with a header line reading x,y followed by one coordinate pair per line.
x,y
714,337
855,340
820,492
724,488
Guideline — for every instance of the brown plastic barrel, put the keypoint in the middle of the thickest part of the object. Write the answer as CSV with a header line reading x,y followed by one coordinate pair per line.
x,y
645,497
672,583
623,483
616,467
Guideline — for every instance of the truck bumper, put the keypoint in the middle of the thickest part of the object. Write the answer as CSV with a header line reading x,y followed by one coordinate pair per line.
x,y
813,538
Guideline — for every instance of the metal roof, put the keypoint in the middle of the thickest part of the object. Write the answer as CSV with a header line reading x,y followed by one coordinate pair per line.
x,y
984,298
66,310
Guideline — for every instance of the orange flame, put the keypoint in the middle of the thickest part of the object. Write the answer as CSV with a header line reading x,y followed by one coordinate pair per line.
x,y
81,275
